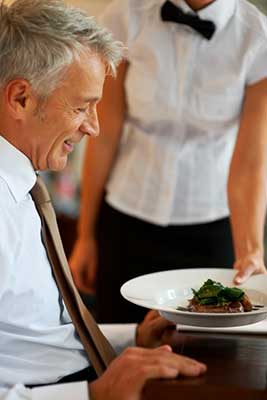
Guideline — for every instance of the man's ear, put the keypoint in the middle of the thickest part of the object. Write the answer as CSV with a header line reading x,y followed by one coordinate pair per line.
x,y
19,98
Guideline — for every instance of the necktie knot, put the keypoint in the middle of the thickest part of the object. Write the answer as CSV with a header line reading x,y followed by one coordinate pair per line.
x,y
39,192
171,13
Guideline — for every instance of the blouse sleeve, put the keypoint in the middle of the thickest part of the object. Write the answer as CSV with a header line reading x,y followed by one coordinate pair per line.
x,y
258,64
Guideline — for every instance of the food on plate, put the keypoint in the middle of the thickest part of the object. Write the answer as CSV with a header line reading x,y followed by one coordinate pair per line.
x,y
213,297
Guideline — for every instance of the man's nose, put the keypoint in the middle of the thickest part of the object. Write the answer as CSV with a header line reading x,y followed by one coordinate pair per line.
x,y
90,125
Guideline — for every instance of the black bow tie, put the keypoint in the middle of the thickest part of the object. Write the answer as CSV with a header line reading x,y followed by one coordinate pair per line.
x,y
170,12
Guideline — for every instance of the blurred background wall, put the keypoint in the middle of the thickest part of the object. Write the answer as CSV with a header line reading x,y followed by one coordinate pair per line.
x,y
262,4
91,6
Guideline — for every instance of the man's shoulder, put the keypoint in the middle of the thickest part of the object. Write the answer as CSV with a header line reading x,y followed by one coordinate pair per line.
x,y
6,198
8,231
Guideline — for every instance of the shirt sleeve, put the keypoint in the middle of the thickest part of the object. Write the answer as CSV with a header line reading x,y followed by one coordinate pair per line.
x,y
258,64
8,247
67,391
119,335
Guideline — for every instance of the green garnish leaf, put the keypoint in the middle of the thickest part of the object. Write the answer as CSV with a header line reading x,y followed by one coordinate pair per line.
x,y
209,289
214,293
232,294
208,301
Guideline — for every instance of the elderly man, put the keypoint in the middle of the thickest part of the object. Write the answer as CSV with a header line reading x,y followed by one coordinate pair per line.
x,y
54,60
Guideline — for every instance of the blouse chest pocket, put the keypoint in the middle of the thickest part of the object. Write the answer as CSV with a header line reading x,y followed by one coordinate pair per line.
x,y
222,106
140,84
141,80
141,87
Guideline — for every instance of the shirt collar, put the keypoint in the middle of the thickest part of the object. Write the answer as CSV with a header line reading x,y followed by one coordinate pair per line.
x,y
220,11
16,170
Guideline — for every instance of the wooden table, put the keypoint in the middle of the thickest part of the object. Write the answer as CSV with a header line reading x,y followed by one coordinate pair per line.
x,y
237,368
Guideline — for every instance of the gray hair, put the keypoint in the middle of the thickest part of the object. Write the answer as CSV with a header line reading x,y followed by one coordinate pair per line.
x,y
39,39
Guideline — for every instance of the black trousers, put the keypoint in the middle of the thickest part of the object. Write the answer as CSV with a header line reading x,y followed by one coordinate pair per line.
x,y
88,374
129,247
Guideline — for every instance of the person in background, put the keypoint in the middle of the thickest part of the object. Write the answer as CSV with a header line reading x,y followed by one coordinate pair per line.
x,y
54,60
182,159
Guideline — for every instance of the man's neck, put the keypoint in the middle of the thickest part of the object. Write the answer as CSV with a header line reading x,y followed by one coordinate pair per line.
x,y
199,4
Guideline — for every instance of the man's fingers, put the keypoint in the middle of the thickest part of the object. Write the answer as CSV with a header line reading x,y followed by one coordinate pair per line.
x,y
165,347
140,364
152,314
163,355
159,325
150,331
189,367
171,365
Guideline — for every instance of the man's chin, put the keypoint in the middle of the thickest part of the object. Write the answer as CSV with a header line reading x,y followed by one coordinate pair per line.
x,y
57,165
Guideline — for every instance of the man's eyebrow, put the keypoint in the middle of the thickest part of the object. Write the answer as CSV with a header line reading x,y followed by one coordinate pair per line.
x,y
89,99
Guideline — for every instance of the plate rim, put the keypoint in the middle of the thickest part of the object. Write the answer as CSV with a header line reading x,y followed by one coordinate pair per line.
x,y
156,306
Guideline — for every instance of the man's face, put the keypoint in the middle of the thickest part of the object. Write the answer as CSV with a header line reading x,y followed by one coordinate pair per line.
x,y
67,115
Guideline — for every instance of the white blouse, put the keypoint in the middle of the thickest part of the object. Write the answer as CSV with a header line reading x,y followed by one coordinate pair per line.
x,y
184,96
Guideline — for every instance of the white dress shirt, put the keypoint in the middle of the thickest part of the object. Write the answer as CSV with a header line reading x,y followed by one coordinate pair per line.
x,y
184,96
38,343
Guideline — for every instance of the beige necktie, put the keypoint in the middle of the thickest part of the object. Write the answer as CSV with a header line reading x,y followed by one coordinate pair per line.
x,y
98,349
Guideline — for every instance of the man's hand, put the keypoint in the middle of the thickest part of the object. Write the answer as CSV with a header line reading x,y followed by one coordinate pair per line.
x,y
83,264
149,332
247,266
127,374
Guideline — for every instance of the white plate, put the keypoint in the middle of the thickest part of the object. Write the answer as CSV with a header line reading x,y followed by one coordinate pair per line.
x,y
165,291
